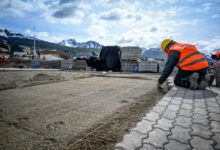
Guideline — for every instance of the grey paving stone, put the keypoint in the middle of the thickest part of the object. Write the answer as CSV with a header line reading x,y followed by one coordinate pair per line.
x,y
157,138
174,145
188,101
131,141
175,88
165,98
163,103
198,96
217,140
211,99
185,112
158,109
182,90
201,131
200,105
215,126
188,96
176,101
144,126
208,93
214,116
164,124
173,107
183,121
201,119
216,90
201,144
149,147
170,114
183,118
200,111
152,116
180,134
186,106
199,100
179,95
212,104
171,93
214,109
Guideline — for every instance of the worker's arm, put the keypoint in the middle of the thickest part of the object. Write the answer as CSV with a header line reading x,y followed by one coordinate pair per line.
x,y
170,64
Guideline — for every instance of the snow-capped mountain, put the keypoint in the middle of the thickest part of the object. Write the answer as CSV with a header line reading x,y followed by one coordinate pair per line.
x,y
88,44
17,39
155,53
8,33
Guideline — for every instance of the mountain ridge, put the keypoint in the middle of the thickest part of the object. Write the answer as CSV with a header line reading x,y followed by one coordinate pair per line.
x,y
88,44
18,39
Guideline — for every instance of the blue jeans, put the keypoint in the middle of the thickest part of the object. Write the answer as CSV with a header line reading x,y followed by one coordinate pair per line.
x,y
182,76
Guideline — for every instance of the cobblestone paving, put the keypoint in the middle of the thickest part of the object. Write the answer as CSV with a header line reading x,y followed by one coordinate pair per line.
x,y
182,120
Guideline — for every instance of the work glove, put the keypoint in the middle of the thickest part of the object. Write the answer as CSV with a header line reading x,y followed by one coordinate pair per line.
x,y
159,86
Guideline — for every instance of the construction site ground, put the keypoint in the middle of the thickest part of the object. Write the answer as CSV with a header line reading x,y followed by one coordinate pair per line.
x,y
51,109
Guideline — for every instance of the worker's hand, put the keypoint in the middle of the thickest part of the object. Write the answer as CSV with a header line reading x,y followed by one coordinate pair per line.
x,y
159,86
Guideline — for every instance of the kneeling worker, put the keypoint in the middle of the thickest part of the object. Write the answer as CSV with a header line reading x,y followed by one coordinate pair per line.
x,y
216,56
192,65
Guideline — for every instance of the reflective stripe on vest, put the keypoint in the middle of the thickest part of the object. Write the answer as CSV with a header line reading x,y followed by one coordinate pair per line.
x,y
190,58
192,54
194,62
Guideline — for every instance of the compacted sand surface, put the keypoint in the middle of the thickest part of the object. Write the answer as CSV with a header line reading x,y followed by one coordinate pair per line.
x,y
72,110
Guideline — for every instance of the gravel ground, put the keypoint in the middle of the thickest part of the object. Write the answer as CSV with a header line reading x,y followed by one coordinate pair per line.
x,y
72,110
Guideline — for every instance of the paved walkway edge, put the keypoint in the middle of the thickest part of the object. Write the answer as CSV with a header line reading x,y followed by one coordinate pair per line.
x,y
183,119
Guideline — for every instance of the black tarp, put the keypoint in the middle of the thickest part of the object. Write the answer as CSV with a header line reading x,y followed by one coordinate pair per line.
x,y
109,59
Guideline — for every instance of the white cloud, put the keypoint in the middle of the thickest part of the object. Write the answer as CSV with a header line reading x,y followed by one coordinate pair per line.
x,y
166,1
46,36
54,12
209,45
125,29
215,16
16,8
204,8
67,13
197,21
19,7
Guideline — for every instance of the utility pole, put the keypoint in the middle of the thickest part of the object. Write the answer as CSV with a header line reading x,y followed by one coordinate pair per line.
x,y
34,42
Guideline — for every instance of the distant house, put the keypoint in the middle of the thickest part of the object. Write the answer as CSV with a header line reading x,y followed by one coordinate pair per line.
x,y
4,47
20,54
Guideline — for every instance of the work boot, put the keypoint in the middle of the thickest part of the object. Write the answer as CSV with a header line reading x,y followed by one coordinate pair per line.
x,y
193,81
205,82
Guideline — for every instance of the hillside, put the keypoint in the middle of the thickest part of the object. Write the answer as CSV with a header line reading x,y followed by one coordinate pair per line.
x,y
14,39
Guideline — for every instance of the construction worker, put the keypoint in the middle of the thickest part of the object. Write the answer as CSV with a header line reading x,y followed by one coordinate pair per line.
x,y
192,65
216,56
4,59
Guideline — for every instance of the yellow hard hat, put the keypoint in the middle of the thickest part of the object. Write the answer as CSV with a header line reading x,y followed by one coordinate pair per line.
x,y
165,43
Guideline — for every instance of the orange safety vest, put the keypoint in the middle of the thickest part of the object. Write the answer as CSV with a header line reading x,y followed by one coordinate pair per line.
x,y
190,58
217,54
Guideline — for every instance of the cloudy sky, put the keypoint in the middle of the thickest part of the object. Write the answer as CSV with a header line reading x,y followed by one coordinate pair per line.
x,y
143,23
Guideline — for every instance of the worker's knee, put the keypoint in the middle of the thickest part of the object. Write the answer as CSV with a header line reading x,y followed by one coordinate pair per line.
x,y
179,83
176,82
